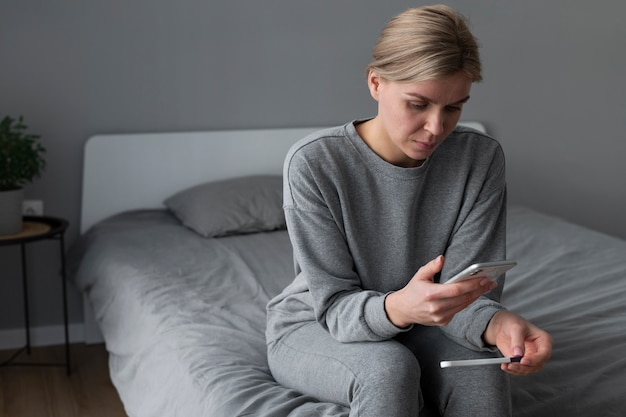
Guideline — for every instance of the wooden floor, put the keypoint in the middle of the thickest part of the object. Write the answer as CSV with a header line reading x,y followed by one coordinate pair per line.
x,y
36,391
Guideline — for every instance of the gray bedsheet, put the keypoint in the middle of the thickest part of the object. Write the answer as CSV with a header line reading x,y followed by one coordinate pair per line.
x,y
184,316
572,282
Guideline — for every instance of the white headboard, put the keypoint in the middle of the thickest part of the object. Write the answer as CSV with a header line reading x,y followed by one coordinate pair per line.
x,y
133,171
125,172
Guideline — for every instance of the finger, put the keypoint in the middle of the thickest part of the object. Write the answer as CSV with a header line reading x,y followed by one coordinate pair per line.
x,y
539,351
517,344
448,307
465,293
428,271
533,361
521,369
478,285
517,369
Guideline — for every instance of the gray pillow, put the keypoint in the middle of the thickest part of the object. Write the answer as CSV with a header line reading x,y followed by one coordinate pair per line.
x,y
233,206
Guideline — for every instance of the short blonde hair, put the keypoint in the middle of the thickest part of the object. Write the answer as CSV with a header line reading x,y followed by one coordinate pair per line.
x,y
426,43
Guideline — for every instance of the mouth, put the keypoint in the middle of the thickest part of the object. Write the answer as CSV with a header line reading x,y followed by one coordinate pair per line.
x,y
426,146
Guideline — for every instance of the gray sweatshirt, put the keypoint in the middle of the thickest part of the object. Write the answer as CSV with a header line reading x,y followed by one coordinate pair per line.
x,y
361,228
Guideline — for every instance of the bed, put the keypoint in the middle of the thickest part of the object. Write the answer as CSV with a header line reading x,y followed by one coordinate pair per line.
x,y
178,291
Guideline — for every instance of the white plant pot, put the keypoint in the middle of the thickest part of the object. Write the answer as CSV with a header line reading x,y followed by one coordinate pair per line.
x,y
11,211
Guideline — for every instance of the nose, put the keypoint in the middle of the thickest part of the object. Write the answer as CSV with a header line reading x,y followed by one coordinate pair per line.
x,y
434,123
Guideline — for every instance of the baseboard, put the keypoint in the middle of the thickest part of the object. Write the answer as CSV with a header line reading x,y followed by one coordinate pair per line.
x,y
41,336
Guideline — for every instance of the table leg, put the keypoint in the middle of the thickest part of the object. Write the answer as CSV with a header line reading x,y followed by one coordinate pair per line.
x,y
65,319
25,291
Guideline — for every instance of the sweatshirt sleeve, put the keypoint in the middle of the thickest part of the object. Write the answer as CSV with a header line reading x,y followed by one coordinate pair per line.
x,y
340,304
479,236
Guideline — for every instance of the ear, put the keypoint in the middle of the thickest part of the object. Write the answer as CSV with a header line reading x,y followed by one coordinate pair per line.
x,y
374,82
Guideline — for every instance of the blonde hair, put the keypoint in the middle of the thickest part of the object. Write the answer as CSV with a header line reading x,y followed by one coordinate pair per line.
x,y
426,43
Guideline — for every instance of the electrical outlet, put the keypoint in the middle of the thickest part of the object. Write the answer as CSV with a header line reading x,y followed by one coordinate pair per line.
x,y
32,208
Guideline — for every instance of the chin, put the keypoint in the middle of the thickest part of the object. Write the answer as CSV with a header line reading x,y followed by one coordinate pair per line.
x,y
421,156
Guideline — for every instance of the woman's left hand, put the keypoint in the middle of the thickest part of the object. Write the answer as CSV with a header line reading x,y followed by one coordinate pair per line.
x,y
516,336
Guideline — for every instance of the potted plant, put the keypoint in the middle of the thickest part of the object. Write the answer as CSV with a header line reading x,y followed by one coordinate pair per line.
x,y
21,162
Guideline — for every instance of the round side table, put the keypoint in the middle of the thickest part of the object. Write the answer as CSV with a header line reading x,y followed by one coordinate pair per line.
x,y
37,228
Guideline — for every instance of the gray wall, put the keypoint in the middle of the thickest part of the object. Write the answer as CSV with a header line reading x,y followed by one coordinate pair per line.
x,y
553,93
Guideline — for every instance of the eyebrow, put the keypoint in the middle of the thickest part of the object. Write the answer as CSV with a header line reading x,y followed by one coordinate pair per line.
x,y
416,95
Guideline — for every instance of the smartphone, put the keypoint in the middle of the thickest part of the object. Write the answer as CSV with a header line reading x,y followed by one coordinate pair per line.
x,y
490,270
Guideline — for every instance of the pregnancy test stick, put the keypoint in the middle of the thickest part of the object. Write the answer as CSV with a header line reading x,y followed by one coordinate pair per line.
x,y
476,362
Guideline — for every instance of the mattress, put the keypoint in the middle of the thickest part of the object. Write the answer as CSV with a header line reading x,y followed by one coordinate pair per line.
x,y
183,316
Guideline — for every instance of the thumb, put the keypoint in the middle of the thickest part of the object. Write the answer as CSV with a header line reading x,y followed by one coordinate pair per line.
x,y
428,271
517,346
517,342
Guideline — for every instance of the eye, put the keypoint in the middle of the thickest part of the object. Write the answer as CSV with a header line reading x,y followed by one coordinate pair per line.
x,y
418,105
453,109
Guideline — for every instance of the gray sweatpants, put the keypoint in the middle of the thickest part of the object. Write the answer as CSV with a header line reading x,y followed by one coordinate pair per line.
x,y
392,378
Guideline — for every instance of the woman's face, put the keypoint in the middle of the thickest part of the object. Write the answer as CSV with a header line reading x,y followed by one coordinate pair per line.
x,y
414,118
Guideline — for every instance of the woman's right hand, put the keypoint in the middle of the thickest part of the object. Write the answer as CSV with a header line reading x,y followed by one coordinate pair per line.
x,y
427,303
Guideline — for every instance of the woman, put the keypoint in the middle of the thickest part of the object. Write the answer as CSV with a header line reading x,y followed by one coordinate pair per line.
x,y
370,203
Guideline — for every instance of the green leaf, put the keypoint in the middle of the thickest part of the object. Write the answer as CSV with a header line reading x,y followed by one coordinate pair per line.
x,y
21,154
